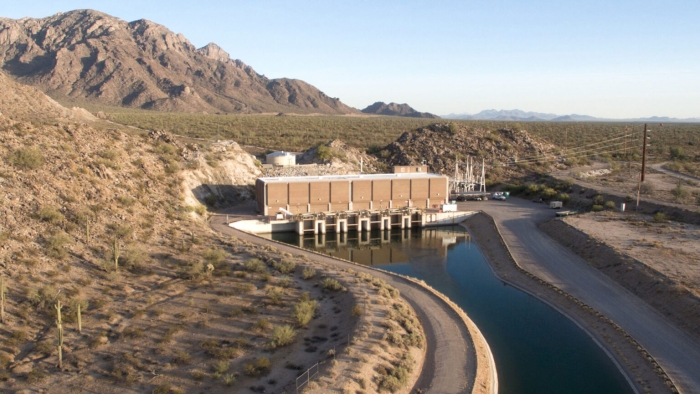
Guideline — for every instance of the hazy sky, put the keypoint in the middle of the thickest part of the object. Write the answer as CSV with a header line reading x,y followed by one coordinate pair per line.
x,y
612,58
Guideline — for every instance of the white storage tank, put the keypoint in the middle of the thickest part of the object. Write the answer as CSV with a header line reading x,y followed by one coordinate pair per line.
x,y
281,158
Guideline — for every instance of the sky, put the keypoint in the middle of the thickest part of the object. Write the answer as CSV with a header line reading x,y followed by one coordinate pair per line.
x,y
604,58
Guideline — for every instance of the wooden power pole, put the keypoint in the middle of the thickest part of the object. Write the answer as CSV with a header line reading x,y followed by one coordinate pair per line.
x,y
644,153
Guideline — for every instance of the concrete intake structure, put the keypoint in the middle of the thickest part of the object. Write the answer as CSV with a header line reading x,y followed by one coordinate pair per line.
x,y
341,193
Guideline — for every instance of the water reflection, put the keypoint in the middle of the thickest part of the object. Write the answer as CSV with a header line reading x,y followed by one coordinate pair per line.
x,y
381,247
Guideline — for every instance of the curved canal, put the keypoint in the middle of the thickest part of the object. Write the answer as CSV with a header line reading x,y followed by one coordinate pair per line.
x,y
536,349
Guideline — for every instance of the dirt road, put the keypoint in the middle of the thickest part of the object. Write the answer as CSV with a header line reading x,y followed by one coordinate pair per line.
x,y
661,168
451,361
517,219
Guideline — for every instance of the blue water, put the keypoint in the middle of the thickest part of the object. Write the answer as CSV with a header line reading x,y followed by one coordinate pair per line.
x,y
536,349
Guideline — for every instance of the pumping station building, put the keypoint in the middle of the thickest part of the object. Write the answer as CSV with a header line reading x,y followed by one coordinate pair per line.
x,y
352,202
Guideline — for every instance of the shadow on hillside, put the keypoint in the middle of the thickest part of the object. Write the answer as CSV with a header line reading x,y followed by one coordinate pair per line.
x,y
220,196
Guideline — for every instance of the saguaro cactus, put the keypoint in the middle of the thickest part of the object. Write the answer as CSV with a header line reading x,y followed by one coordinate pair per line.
x,y
116,253
59,325
2,299
80,321
87,229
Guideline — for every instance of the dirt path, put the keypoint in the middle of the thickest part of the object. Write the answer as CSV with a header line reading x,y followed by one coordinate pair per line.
x,y
661,167
517,219
451,357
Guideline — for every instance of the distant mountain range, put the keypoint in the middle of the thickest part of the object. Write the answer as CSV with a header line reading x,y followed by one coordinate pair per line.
x,y
393,109
87,55
523,116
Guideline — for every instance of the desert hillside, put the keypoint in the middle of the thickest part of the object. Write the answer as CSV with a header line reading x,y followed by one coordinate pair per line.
x,y
114,282
87,55
442,145
393,109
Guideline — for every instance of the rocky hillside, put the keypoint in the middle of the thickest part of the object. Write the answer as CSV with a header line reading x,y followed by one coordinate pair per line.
x,y
393,109
441,145
89,56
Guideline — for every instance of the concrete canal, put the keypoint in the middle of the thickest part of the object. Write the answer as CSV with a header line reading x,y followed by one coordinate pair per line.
x,y
536,349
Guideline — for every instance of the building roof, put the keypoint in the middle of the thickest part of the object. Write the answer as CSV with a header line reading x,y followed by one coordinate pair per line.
x,y
351,177
280,153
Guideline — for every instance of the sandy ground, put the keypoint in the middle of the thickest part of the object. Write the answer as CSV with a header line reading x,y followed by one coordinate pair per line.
x,y
669,247
659,183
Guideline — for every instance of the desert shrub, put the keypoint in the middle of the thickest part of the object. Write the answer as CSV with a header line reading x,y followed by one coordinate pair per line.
x,y
646,188
214,256
220,367
228,379
548,193
308,273
357,310
285,266
126,201
610,205
55,245
680,192
255,265
531,189
597,208
261,365
43,297
29,158
134,257
660,217
275,295
182,358
262,325
598,200
331,284
676,153
563,197
398,376
282,336
304,311
50,214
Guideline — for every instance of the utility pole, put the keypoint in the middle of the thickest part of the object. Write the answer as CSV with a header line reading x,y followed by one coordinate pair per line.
x,y
644,153
644,166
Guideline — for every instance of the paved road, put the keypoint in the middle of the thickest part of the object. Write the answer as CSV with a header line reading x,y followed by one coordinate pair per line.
x,y
450,363
517,219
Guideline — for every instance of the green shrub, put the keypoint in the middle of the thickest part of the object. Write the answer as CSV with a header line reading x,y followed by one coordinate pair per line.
x,y
357,310
660,217
610,205
597,208
308,273
275,295
282,336
214,256
29,158
50,214
563,197
304,311
55,245
262,325
331,284
548,193
285,266
255,265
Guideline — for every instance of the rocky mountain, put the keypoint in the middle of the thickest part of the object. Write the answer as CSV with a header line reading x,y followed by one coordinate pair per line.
x,y
522,116
393,109
442,145
513,114
86,55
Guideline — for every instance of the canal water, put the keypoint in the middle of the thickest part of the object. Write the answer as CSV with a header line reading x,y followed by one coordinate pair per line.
x,y
537,350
